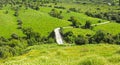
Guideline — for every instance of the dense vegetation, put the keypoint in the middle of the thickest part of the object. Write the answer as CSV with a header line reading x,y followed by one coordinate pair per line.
x,y
99,37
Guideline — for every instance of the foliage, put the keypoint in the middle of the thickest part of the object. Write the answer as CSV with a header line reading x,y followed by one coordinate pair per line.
x,y
69,37
80,40
87,25
75,22
56,14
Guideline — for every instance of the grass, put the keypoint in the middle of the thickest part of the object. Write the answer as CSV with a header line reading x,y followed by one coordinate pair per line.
x,y
8,24
112,28
90,54
81,17
79,31
41,22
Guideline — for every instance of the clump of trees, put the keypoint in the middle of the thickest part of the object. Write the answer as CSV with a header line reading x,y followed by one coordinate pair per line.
x,y
75,22
56,13
87,25
74,9
59,7
99,37
112,16
19,23
69,37
15,44
80,40
11,47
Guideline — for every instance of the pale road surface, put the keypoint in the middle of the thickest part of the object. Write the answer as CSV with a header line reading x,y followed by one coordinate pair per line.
x,y
59,38
100,23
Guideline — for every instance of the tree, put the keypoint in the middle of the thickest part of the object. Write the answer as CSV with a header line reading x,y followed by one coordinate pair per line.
x,y
75,22
14,36
69,37
19,22
55,13
117,38
16,13
99,36
80,40
119,2
87,25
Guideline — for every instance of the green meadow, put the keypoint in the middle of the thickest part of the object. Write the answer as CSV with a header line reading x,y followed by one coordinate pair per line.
x,y
27,34
8,24
90,54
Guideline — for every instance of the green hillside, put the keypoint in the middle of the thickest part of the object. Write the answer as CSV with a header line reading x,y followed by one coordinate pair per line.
x,y
31,32
53,54
41,22
8,24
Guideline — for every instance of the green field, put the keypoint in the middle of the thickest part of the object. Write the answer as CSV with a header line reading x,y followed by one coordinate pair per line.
x,y
79,31
101,54
8,24
112,28
41,22
21,21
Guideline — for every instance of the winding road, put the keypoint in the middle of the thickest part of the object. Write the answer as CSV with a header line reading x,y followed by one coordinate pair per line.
x,y
59,38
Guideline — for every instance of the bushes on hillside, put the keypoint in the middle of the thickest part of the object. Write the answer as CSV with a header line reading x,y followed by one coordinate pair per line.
x,y
80,40
74,9
87,25
99,37
15,44
16,13
114,16
69,37
59,7
31,36
19,23
55,13
75,22
11,47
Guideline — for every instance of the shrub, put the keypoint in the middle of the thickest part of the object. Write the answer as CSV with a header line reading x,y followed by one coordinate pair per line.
x,y
51,40
5,52
16,13
87,25
73,9
19,22
99,36
69,37
75,22
117,38
55,13
14,36
37,8
80,40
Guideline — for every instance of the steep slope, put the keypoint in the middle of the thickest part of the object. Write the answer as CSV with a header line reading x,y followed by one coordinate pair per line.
x,y
8,24
41,22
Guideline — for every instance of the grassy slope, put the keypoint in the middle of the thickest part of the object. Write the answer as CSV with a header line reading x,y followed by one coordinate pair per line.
x,y
102,54
8,24
113,28
80,16
41,22
79,31
90,7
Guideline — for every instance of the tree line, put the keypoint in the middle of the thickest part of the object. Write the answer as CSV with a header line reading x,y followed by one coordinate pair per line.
x,y
15,45
112,16
99,37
